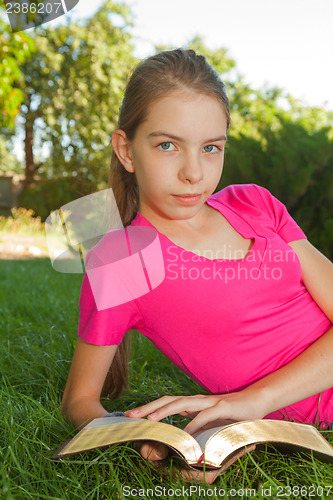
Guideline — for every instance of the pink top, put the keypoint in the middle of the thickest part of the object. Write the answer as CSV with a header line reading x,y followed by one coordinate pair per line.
x,y
225,323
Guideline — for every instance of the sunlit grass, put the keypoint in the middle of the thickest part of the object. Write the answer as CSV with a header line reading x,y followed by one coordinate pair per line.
x,y
38,329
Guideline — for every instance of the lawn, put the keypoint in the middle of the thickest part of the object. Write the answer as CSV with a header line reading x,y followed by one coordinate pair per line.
x,y
38,329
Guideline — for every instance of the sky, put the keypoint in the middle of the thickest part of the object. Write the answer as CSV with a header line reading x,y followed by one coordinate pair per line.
x,y
283,43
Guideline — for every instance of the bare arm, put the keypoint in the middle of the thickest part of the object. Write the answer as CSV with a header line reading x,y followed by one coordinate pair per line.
x,y
308,374
81,399
312,371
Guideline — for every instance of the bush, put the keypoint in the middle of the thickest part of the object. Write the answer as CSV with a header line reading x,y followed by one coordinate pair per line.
x,y
47,195
21,220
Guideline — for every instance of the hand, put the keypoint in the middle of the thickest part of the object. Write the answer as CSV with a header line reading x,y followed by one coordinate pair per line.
x,y
150,450
206,411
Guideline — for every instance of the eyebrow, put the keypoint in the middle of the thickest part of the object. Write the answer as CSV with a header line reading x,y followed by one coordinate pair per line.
x,y
171,136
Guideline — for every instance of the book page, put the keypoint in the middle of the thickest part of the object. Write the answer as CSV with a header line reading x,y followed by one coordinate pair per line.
x,y
235,436
113,430
97,422
202,436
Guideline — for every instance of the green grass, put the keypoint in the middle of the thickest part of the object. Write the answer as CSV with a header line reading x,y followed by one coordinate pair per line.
x,y
38,329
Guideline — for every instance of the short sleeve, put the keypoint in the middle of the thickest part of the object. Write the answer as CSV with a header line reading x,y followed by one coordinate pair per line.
x,y
284,224
107,326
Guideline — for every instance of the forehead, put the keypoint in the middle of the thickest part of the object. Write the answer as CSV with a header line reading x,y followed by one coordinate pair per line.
x,y
185,111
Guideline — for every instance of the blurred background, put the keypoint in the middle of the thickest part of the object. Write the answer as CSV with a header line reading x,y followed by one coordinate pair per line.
x,y
61,85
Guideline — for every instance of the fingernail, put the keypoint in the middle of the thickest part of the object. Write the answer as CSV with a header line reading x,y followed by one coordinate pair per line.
x,y
133,412
153,415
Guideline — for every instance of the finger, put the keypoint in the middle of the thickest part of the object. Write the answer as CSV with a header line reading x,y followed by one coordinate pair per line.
x,y
143,411
150,450
214,423
186,406
210,417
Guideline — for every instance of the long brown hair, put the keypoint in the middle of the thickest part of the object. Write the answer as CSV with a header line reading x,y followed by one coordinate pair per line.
x,y
155,77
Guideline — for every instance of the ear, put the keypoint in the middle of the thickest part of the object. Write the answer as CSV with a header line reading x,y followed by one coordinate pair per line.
x,y
121,146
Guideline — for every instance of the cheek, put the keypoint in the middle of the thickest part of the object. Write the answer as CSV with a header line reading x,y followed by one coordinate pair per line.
x,y
214,166
221,162
150,177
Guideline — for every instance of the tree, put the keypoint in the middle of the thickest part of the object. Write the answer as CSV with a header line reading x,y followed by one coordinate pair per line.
x,y
72,89
288,150
14,49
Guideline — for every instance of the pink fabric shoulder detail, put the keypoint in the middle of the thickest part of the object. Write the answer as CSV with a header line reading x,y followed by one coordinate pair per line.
x,y
255,201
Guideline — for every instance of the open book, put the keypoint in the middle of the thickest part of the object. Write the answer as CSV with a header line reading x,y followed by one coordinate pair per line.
x,y
215,448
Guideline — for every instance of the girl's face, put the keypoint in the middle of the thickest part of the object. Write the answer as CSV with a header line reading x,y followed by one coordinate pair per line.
x,y
178,151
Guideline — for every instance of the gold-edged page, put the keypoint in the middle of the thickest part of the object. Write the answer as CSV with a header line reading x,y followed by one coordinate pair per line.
x,y
232,437
113,430
203,436
97,422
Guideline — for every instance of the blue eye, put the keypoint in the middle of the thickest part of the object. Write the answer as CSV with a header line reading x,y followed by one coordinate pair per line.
x,y
209,149
165,146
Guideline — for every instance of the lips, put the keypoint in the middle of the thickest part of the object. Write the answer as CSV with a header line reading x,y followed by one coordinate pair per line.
x,y
185,195
187,198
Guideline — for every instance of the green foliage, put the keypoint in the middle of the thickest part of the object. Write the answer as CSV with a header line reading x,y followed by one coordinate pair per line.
x,y
14,50
73,87
21,220
8,160
47,195
293,161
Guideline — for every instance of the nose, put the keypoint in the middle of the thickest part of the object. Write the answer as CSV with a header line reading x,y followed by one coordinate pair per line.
x,y
191,169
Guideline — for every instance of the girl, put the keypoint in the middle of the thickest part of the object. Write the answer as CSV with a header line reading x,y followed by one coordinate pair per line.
x,y
246,304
